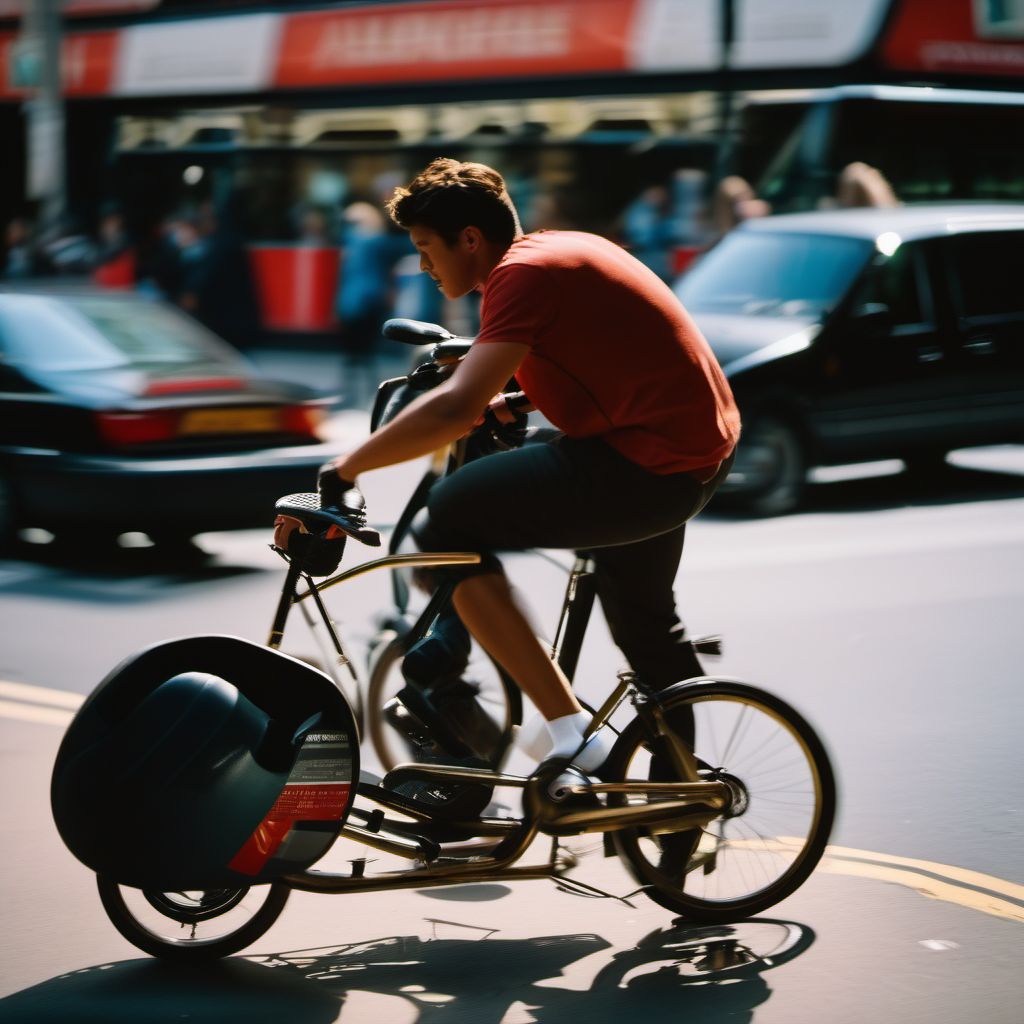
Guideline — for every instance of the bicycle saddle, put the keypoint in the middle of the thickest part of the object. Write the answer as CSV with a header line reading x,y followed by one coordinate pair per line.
x,y
415,332
418,332
306,508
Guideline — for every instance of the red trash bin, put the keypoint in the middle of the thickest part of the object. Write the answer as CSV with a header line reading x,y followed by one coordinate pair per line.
x,y
296,285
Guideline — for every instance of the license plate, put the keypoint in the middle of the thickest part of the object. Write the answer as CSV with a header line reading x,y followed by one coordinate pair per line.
x,y
229,421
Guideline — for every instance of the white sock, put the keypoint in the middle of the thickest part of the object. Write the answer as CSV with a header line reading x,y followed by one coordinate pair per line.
x,y
567,737
567,733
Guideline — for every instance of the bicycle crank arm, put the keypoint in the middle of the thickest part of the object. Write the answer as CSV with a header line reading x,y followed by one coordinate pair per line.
x,y
679,814
714,794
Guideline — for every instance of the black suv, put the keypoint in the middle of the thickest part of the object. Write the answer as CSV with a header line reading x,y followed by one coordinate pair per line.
x,y
853,335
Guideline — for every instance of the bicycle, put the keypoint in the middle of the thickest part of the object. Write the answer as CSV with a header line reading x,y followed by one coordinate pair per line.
x,y
717,825
497,694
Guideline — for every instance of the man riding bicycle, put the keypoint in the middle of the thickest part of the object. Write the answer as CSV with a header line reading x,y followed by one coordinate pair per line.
x,y
603,348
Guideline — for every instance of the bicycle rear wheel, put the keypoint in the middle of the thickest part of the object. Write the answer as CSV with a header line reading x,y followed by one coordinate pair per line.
x,y
192,926
497,697
767,843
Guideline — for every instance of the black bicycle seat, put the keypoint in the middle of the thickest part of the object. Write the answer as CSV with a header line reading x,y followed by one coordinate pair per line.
x,y
415,332
306,508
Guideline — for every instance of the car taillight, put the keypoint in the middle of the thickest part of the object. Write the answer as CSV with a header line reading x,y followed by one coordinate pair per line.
x,y
303,419
130,428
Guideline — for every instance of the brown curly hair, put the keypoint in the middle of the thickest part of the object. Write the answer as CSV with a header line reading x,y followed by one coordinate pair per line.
x,y
449,195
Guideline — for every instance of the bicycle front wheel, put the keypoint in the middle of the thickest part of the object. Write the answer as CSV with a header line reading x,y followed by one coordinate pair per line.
x,y
766,844
192,926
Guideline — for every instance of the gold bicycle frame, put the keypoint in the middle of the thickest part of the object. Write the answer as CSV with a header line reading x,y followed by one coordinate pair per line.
x,y
673,807
673,810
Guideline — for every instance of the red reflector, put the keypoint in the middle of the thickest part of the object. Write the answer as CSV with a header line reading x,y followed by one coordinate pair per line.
x,y
126,428
178,387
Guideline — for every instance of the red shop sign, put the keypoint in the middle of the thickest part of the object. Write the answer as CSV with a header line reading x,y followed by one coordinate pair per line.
x,y
954,36
454,39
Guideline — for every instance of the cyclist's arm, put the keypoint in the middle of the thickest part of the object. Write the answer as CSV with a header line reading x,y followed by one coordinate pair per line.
x,y
440,416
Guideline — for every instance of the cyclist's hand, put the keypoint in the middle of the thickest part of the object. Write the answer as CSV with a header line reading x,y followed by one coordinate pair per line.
x,y
336,492
503,410
502,426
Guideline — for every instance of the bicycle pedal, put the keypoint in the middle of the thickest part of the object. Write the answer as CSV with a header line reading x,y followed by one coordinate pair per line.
x,y
404,721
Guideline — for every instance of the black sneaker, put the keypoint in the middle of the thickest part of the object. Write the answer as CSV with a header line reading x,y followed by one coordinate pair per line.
x,y
421,707
458,703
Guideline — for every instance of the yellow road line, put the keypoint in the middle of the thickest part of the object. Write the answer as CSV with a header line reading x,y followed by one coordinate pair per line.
x,y
949,892
905,871
40,694
35,713
999,885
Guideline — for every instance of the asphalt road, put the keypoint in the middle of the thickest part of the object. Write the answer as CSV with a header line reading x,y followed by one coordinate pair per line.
x,y
887,612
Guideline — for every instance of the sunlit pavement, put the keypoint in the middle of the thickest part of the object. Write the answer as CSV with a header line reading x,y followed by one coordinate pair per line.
x,y
888,612
850,946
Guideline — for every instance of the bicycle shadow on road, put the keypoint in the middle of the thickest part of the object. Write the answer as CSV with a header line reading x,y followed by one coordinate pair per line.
x,y
704,975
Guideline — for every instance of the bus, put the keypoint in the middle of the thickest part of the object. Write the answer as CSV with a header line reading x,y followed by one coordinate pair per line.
x,y
931,144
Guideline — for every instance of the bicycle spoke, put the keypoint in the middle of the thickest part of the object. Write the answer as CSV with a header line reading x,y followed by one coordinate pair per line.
x,y
739,861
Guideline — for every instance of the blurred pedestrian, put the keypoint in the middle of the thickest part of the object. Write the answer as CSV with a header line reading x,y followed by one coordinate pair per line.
x,y
217,286
366,292
20,258
314,228
735,201
860,184
65,248
116,256
160,263
647,229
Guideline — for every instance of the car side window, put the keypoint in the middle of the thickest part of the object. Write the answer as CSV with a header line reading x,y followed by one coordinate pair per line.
x,y
986,272
901,284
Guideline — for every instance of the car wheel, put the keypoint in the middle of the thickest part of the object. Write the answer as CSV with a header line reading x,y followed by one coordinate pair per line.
x,y
770,471
926,464
177,544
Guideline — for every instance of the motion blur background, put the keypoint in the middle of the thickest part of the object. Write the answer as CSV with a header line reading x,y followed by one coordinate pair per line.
x,y
232,158
265,136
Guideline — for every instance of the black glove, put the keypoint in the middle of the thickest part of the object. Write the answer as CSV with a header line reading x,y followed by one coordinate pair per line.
x,y
495,436
341,494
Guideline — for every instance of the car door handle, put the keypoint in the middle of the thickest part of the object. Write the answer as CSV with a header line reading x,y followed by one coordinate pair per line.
x,y
981,346
930,355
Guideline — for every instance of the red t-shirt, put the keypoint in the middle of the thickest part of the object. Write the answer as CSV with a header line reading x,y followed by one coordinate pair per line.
x,y
613,354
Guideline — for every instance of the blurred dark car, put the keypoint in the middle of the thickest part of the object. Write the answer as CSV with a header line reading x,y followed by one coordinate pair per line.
x,y
855,335
120,413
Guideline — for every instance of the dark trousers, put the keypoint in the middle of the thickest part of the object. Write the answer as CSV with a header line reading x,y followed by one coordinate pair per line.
x,y
583,495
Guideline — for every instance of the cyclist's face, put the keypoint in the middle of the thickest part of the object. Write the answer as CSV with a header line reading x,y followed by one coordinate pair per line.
x,y
454,268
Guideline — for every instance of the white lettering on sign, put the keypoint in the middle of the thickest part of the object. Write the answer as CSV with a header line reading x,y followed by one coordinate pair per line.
x,y
967,55
446,36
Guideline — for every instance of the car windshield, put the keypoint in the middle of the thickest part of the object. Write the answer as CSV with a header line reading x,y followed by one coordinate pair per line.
x,y
763,273
89,332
